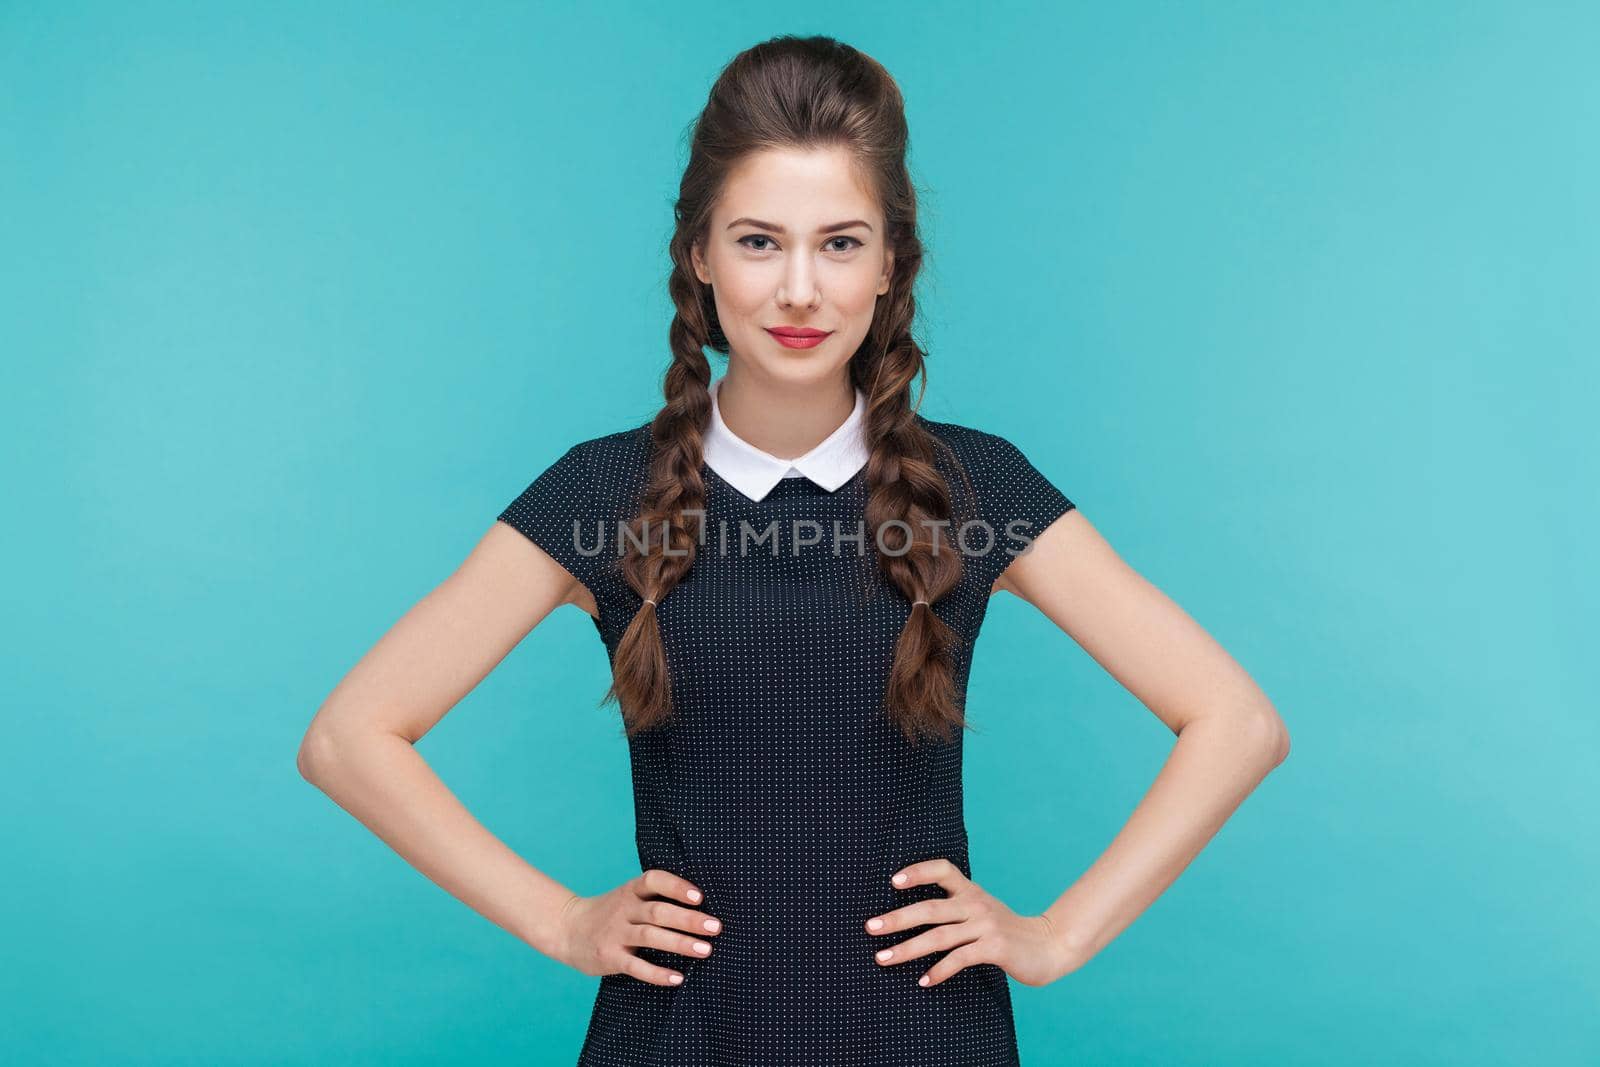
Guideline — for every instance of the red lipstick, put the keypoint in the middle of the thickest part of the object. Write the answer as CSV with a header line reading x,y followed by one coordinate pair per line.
x,y
797,336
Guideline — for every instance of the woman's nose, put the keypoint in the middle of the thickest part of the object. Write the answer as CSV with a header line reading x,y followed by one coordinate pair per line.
x,y
800,286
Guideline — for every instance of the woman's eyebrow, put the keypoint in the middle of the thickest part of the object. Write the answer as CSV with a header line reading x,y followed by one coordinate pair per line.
x,y
775,228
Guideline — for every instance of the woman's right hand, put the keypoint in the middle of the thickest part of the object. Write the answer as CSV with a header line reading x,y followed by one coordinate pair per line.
x,y
598,934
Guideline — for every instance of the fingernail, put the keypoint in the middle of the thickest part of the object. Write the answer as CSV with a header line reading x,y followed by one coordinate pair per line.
x,y
675,979
899,879
874,924
701,946
923,981
886,953
712,924
694,895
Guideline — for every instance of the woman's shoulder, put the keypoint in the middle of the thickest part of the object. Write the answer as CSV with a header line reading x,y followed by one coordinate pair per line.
x,y
971,444
619,448
611,467
1005,481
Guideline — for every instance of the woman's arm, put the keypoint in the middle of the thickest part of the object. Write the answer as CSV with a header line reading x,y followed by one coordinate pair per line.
x,y
1229,735
359,747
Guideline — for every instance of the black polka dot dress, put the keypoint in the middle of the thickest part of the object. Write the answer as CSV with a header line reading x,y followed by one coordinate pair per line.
x,y
779,786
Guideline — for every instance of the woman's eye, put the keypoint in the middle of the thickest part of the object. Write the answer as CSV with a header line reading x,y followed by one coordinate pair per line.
x,y
829,244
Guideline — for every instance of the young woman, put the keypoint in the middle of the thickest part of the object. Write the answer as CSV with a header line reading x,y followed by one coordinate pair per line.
x,y
788,567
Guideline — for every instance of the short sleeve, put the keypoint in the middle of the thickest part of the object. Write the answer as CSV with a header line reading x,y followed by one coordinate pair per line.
x,y
1020,503
556,512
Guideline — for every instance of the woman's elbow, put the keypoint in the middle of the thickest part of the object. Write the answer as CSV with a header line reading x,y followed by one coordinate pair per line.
x,y
316,754
1275,734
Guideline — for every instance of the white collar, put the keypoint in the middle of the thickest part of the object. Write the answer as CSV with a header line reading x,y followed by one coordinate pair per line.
x,y
834,461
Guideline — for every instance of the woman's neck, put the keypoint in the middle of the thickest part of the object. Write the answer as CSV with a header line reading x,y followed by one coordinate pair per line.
x,y
782,420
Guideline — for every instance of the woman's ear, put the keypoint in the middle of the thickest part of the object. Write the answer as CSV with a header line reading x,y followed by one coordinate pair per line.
x,y
699,264
888,271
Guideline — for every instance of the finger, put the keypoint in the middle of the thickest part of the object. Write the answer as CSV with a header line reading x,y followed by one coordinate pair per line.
x,y
938,870
646,971
963,957
675,917
940,937
922,913
667,884
670,940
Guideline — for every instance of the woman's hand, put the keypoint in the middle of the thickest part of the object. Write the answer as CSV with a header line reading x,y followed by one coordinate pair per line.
x,y
598,933
979,927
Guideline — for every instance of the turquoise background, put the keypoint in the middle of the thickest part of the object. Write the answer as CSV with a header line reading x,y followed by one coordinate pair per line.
x,y
1297,302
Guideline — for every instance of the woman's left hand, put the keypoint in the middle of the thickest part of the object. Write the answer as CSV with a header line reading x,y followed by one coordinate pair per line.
x,y
976,925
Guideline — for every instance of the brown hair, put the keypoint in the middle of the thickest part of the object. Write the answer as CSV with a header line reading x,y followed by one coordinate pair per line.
x,y
806,93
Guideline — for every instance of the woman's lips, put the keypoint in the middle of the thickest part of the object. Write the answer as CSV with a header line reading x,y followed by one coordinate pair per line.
x,y
798,338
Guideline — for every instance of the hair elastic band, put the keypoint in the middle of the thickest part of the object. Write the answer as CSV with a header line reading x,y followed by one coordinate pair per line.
x,y
914,603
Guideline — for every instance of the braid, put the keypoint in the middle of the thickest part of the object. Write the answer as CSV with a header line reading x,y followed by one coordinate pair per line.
x,y
905,487
640,682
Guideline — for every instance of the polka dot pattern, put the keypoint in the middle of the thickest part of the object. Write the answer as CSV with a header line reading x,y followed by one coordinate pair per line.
x,y
779,786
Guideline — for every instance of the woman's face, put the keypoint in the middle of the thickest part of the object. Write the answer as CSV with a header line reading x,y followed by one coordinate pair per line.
x,y
795,242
